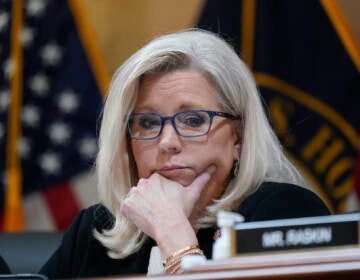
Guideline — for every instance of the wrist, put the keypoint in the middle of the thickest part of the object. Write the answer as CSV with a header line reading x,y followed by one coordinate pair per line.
x,y
173,238
172,264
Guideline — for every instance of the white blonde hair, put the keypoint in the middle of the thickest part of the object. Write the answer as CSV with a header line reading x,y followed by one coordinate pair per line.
x,y
261,157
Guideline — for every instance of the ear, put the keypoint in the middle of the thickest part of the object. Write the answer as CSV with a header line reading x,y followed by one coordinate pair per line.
x,y
238,131
237,150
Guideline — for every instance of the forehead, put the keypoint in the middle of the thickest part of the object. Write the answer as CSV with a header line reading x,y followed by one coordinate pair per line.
x,y
177,90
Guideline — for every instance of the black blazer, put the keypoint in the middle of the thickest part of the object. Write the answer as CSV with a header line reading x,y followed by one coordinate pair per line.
x,y
81,255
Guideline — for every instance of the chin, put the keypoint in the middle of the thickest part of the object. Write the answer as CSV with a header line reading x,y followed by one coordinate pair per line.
x,y
182,176
182,181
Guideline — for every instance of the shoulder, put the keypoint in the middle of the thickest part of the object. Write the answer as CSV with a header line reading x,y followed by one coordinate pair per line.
x,y
81,230
78,241
274,200
95,217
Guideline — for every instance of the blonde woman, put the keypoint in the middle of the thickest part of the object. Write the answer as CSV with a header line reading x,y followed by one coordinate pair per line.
x,y
183,135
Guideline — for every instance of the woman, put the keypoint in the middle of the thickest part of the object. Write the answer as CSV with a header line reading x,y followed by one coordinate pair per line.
x,y
183,135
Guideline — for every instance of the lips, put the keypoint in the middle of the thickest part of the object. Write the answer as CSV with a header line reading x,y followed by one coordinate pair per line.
x,y
170,168
181,174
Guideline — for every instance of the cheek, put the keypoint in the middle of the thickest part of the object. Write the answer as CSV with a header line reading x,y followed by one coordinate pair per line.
x,y
219,179
224,166
142,157
220,153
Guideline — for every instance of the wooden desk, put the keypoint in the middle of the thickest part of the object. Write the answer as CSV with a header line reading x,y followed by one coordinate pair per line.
x,y
320,264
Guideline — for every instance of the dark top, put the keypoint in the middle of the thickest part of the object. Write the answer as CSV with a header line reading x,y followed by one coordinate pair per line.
x,y
4,269
81,255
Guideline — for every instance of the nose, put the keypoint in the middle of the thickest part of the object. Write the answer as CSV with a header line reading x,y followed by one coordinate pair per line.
x,y
169,140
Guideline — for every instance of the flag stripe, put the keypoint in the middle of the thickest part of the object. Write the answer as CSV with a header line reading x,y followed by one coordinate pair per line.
x,y
42,214
37,214
84,187
62,203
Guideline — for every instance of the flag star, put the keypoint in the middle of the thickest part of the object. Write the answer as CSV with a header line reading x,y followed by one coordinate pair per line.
x,y
68,101
50,163
30,115
27,36
39,84
24,147
59,133
35,7
51,54
4,100
88,147
8,68
4,20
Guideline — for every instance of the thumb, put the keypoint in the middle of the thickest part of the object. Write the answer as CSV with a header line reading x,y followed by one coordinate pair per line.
x,y
200,182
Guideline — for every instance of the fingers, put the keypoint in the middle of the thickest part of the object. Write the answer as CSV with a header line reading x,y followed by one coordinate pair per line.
x,y
200,181
142,183
158,200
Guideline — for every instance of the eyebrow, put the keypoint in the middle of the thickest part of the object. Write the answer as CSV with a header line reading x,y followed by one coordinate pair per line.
x,y
184,107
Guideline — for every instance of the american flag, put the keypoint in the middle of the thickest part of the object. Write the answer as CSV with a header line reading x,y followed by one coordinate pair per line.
x,y
61,102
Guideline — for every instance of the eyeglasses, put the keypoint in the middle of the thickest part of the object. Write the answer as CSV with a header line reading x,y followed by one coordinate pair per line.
x,y
192,123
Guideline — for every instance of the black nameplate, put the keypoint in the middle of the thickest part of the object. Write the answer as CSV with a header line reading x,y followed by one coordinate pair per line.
x,y
300,233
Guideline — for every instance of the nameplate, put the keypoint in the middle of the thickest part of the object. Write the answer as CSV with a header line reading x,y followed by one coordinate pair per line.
x,y
299,233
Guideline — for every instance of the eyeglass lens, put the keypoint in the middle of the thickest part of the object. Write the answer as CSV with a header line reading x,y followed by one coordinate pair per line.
x,y
188,124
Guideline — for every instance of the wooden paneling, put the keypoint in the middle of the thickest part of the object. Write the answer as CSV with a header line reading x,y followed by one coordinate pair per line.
x,y
124,26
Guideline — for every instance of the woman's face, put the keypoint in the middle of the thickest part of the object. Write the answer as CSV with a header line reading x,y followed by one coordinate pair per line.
x,y
183,159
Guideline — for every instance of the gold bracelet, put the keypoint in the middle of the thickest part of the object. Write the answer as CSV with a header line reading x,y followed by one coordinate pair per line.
x,y
173,262
174,265
176,270
178,258
195,251
180,252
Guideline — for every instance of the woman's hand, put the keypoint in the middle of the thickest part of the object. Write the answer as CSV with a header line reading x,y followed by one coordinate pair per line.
x,y
161,208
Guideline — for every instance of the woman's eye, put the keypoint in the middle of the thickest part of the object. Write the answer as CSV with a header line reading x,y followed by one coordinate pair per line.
x,y
193,120
148,122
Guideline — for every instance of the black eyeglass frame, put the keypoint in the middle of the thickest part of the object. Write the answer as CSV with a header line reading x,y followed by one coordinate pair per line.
x,y
211,114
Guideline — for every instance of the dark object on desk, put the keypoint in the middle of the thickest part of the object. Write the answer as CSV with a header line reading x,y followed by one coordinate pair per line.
x,y
27,252
300,233
4,269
